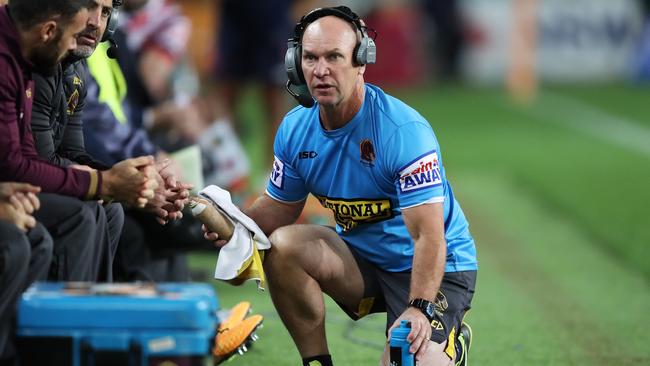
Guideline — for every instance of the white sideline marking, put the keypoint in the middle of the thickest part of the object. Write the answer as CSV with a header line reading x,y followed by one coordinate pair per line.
x,y
590,120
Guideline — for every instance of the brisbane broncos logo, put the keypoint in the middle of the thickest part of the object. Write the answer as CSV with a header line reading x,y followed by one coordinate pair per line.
x,y
73,101
367,152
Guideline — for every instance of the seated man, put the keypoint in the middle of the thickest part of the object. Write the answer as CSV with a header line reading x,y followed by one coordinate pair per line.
x,y
25,253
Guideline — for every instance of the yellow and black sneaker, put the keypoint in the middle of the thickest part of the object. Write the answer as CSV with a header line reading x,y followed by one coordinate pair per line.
x,y
236,339
463,344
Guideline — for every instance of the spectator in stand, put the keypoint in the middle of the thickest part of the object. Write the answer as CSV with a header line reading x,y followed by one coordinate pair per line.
x,y
164,90
252,41
446,35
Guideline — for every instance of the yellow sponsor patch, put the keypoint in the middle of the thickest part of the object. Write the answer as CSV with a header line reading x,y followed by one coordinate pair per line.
x,y
350,213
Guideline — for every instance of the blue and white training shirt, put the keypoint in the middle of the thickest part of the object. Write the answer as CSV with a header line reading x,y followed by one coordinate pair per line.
x,y
385,159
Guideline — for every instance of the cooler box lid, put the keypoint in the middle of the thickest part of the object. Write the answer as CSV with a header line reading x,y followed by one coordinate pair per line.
x,y
124,307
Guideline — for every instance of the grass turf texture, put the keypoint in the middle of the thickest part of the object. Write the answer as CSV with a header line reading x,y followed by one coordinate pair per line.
x,y
561,219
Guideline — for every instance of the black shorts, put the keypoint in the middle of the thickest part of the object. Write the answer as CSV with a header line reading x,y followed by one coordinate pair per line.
x,y
253,40
389,292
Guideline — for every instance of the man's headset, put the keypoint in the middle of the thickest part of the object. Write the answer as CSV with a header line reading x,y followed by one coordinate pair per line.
x,y
111,27
365,52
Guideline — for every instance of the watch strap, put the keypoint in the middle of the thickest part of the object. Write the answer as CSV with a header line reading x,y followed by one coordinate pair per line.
x,y
423,305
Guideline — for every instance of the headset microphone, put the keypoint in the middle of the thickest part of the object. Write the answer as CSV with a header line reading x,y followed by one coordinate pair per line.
x,y
302,96
111,52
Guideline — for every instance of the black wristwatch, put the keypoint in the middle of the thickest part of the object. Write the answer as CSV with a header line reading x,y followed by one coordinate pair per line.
x,y
425,306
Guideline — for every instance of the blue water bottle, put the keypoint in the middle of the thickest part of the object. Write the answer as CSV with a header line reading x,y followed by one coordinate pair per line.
x,y
400,355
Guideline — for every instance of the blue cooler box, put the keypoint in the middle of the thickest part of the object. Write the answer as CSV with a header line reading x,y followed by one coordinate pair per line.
x,y
81,324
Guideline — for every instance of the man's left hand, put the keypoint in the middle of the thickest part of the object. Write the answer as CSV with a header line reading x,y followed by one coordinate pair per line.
x,y
420,330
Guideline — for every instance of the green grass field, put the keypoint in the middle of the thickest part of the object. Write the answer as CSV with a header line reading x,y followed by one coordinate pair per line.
x,y
558,198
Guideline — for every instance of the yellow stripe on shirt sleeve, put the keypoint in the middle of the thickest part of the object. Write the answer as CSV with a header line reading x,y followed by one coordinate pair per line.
x,y
94,183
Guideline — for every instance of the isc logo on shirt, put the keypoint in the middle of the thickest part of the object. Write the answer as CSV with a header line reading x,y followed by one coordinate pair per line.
x,y
277,175
424,172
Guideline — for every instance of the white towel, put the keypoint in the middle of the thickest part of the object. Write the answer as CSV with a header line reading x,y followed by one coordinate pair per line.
x,y
239,260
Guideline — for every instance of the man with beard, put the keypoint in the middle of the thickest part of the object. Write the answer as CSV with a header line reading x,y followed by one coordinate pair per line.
x,y
36,36
57,124
59,99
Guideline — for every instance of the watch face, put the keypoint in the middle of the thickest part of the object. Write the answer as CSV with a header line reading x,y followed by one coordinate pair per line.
x,y
430,309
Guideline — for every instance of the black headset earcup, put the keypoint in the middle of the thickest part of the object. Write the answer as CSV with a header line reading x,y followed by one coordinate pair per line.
x,y
292,65
111,26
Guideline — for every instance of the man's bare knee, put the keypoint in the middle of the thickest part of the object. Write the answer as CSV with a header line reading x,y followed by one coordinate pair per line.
x,y
318,252
285,243
288,245
282,237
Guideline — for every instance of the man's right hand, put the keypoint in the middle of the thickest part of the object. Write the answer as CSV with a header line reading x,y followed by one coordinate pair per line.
x,y
131,181
213,237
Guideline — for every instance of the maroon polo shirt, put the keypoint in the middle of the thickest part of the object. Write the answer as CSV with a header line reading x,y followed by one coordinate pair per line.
x,y
19,160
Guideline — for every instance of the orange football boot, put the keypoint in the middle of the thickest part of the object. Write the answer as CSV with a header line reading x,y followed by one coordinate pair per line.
x,y
237,314
236,339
